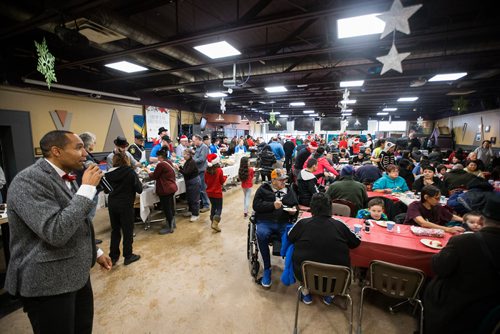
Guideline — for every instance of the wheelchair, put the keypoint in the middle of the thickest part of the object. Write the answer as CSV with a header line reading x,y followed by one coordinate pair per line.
x,y
253,247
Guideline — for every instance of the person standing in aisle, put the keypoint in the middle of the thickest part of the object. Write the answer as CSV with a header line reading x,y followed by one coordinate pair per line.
x,y
200,157
192,180
289,148
214,179
246,174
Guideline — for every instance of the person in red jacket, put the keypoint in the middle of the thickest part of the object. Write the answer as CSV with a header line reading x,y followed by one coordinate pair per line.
x,y
214,178
166,186
324,170
246,174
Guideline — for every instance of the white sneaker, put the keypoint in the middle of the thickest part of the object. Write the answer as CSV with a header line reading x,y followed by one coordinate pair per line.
x,y
194,218
187,214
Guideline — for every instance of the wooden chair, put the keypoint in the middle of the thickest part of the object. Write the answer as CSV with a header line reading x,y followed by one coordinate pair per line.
x,y
342,207
325,280
394,281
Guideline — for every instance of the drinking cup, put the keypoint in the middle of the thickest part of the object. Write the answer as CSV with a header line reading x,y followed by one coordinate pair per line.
x,y
357,228
390,226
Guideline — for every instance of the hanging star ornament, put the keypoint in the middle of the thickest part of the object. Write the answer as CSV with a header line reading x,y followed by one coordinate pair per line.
x,y
46,62
222,104
420,121
397,18
393,60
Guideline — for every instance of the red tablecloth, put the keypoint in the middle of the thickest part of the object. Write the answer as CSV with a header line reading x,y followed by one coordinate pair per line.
x,y
402,248
372,194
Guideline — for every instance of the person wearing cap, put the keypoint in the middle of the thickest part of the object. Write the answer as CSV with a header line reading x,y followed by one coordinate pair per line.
x,y
183,145
464,292
273,204
161,132
387,156
164,146
214,179
302,156
137,148
200,157
121,145
348,189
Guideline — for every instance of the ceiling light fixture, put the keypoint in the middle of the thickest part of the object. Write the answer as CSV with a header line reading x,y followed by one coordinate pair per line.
x,y
408,99
359,26
297,104
350,101
81,90
126,66
313,115
355,83
276,89
218,50
216,94
382,113
389,109
308,111
448,76
283,116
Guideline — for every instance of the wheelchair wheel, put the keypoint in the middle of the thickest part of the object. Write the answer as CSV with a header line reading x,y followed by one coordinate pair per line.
x,y
252,251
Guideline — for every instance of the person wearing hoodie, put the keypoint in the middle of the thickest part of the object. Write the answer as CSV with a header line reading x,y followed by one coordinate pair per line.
x,y
126,184
457,178
474,199
387,156
349,189
391,181
273,204
307,182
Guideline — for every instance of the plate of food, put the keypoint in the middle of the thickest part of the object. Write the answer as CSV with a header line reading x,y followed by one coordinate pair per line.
x,y
432,243
290,209
381,223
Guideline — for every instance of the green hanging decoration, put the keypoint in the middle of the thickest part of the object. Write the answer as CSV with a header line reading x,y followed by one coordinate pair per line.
x,y
272,117
46,62
460,105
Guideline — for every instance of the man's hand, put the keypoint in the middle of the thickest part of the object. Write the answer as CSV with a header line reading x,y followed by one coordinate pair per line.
x,y
455,229
92,175
277,204
105,262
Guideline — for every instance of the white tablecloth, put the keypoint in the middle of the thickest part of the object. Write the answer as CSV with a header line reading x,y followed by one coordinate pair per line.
x,y
148,198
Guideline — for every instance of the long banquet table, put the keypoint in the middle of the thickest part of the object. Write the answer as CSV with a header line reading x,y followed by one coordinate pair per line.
x,y
148,197
402,248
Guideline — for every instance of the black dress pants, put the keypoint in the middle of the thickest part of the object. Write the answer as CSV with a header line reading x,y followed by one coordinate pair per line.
x,y
67,313
122,221
167,204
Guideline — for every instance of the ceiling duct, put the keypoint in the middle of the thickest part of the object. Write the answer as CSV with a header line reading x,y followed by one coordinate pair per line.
x,y
93,31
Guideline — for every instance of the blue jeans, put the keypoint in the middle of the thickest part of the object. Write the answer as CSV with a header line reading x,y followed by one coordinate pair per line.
x,y
264,230
205,203
247,193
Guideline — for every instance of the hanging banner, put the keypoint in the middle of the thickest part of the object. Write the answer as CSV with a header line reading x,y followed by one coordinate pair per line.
x,y
156,117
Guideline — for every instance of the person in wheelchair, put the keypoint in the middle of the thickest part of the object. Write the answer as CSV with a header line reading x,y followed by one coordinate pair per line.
x,y
275,205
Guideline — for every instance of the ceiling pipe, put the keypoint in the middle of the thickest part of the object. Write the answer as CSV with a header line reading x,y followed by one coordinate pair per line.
x,y
142,35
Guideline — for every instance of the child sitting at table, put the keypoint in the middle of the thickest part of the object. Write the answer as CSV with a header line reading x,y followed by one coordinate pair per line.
x,y
375,210
472,221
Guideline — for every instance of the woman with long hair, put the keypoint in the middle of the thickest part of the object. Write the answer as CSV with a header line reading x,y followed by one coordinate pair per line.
x,y
246,174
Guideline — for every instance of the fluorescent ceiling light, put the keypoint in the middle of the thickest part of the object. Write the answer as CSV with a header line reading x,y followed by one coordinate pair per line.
x,y
284,116
277,112
408,99
349,101
389,109
308,111
382,113
448,77
347,114
360,26
276,89
302,86
297,104
127,67
216,94
218,50
346,110
81,90
313,115
355,83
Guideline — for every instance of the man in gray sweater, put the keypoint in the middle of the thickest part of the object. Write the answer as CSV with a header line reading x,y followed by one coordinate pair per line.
x,y
200,157
52,241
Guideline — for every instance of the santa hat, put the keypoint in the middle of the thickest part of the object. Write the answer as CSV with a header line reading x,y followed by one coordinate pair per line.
x,y
183,137
313,145
212,159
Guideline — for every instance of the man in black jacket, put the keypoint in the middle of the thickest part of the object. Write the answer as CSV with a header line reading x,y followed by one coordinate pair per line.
x,y
275,205
289,148
464,296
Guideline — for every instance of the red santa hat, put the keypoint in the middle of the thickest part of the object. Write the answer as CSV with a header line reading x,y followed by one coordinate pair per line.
x,y
212,159
183,137
313,145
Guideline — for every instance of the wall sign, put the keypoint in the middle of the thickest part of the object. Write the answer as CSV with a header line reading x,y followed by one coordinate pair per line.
x,y
156,117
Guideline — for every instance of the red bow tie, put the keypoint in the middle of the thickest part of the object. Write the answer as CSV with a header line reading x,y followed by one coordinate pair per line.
x,y
69,177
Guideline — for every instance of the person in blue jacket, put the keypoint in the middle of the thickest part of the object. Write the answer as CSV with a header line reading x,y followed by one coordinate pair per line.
x,y
390,182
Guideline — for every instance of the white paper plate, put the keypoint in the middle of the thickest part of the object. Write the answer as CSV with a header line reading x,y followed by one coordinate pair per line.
x,y
290,209
432,243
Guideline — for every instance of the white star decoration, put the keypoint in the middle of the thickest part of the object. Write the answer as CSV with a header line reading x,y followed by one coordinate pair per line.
x,y
420,121
397,18
222,105
393,60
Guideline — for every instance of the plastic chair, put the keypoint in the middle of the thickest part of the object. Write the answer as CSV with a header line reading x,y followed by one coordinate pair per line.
x,y
394,281
325,280
343,207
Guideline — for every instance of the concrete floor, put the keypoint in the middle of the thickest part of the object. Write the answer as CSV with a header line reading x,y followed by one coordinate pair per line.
x,y
197,281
